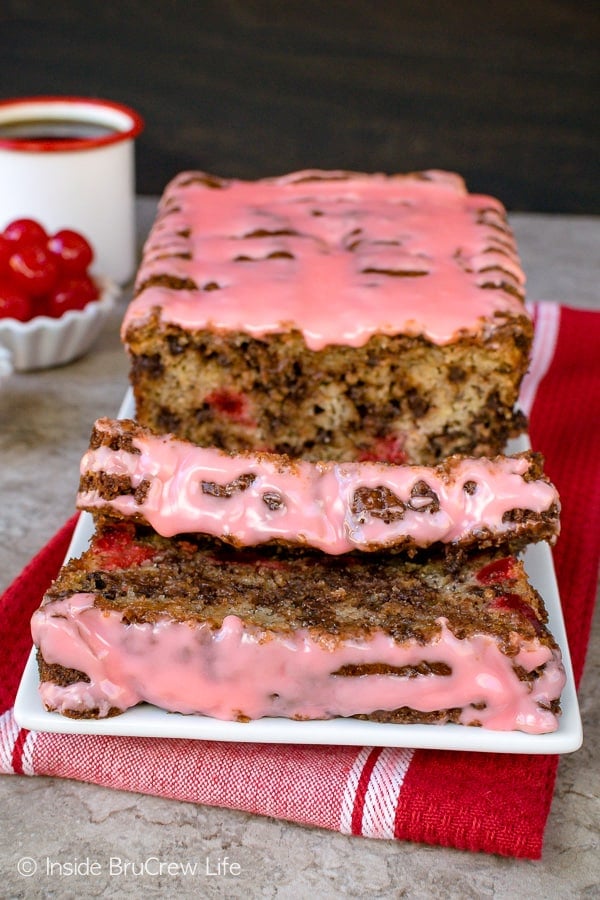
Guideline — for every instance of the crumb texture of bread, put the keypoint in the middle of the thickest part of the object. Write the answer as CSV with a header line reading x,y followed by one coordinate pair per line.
x,y
195,627
330,316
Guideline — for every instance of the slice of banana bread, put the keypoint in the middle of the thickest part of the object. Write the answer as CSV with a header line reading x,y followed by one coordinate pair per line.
x,y
197,627
330,315
254,498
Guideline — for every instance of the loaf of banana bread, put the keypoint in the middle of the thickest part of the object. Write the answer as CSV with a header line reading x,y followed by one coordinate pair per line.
x,y
330,315
198,627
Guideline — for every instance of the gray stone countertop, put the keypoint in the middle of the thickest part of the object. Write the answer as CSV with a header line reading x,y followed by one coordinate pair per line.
x,y
45,422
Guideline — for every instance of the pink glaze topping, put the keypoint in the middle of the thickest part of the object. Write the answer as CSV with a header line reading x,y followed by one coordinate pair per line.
x,y
311,503
239,671
338,258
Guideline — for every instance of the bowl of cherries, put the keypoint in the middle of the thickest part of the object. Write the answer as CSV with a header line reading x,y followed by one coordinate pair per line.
x,y
51,307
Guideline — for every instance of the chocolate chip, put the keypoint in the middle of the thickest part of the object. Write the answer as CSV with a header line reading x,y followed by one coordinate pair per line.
x,y
456,373
177,344
241,483
423,498
273,500
141,492
147,364
379,502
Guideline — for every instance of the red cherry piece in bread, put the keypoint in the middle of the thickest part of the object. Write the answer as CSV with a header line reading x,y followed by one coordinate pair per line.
x,y
71,293
497,571
33,269
117,549
14,304
25,231
514,603
231,404
388,449
73,253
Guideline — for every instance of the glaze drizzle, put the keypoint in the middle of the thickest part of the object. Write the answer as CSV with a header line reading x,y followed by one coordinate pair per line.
x,y
337,256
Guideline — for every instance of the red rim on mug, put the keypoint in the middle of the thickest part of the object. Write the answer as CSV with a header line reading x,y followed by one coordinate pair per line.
x,y
47,124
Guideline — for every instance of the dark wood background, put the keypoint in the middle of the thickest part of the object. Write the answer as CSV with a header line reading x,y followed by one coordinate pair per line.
x,y
504,92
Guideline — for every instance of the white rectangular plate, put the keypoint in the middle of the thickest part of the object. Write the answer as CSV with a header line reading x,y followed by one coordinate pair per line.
x,y
148,721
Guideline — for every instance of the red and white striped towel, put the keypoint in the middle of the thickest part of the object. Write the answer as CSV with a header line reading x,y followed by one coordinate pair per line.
x,y
476,801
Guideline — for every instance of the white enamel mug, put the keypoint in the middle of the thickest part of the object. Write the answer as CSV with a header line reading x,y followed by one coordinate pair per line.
x,y
69,163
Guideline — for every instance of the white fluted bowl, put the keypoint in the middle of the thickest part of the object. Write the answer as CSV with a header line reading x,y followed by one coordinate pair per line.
x,y
44,342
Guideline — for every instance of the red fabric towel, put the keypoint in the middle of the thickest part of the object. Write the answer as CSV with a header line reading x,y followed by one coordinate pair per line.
x,y
487,802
